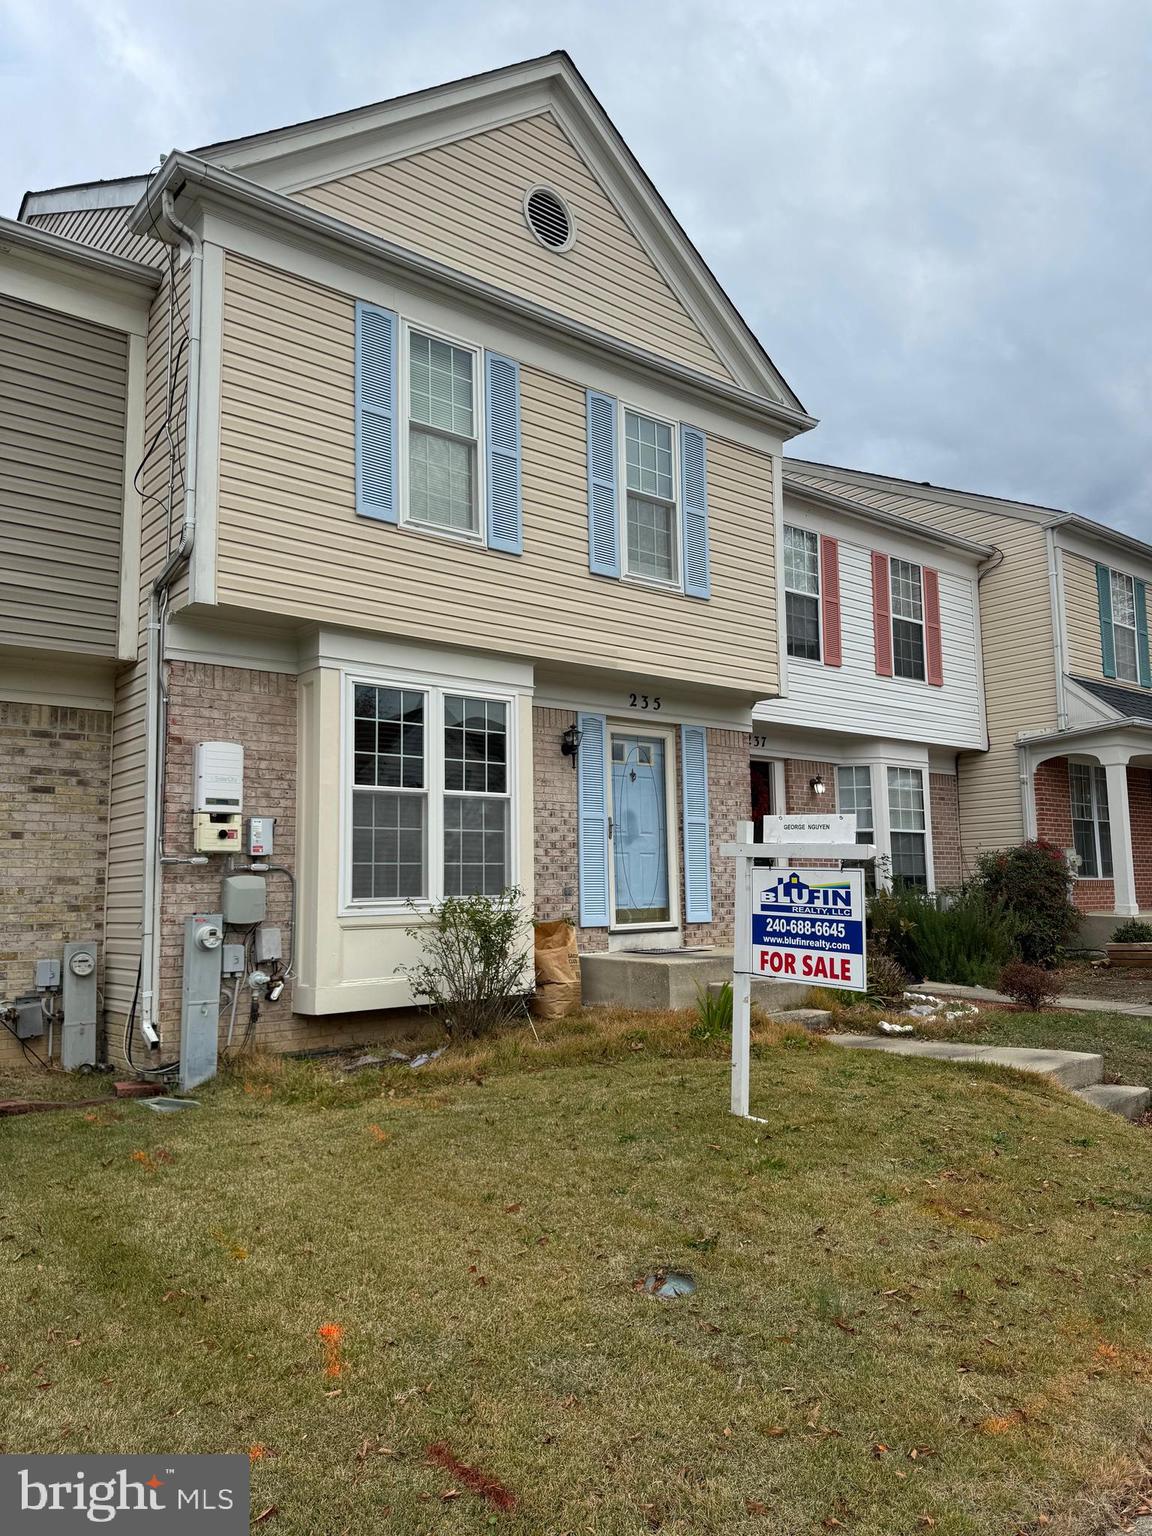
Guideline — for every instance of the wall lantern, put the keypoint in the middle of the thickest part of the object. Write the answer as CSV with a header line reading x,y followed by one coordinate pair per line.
x,y
570,743
817,786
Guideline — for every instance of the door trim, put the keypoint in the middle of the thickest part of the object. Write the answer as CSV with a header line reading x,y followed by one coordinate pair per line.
x,y
615,726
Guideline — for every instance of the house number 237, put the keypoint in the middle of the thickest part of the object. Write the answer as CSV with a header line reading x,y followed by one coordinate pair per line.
x,y
643,701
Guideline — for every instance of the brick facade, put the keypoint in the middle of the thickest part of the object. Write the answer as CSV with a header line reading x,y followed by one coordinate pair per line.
x,y
54,768
556,835
1140,811
947,859
1054,824
799,799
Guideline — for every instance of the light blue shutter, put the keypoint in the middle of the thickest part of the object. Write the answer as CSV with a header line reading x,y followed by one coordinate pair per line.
x,y
1142,658
694,499
697,853
376,413
603,520
592,814
505,519
1107,638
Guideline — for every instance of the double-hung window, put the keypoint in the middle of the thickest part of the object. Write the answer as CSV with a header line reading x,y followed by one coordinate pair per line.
x,y
854,798
431,794
908,827
1091,832
651,517
443,431
802,593
907,619
1124,627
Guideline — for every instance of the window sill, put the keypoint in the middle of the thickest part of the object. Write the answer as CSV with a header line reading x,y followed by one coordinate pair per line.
x,y
653,584
455,535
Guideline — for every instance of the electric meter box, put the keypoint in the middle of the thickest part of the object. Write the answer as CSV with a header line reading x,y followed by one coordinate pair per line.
x,y
219,777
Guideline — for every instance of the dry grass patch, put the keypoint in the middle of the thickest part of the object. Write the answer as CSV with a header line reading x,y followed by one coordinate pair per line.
x,y
475,1230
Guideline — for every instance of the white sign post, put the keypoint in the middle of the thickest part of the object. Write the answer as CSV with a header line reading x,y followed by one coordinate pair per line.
x,y
793,924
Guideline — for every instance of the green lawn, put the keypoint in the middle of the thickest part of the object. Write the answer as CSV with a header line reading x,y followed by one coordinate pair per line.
x,y
923,1297
1123,1041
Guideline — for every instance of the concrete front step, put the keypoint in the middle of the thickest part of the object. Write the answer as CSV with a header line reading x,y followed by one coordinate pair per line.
x,y
1118,1099
1071,1069
669,978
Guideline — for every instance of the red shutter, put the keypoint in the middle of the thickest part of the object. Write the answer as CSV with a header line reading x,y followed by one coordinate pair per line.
x,y
933,648
882,614
830,601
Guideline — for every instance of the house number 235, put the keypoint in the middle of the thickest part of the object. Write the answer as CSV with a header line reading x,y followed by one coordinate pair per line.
x,y
643,701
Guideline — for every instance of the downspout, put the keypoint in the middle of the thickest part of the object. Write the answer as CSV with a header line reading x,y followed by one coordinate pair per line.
x,y
155,709
1059,627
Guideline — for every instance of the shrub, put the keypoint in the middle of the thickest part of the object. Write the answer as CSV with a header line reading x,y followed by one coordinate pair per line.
x,y
1034,883
960,937
476,962
1132,932
1030,985
887,978
713,1012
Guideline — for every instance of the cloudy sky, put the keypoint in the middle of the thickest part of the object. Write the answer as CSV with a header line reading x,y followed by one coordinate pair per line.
x,y
936,214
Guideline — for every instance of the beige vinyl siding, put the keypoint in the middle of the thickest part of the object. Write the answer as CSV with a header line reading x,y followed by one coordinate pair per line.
x,y
1082,616
463,204
160,532
1018,648
105,229
63,401
287,489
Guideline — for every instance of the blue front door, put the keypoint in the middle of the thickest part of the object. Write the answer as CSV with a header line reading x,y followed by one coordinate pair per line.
x,y
639,830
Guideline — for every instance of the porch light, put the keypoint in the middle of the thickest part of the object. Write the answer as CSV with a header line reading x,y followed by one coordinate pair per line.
x,y
817,786
570,743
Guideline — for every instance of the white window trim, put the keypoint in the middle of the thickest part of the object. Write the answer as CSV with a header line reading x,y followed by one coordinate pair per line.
x,y
623,408
803,661
882,816
479,393
1129,628
1099,842
434,789
899,677
622,727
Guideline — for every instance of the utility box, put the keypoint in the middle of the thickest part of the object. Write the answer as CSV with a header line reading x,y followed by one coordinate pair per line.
x,y
78,1036
29,1016
243,900
200,1010
260,830
216,831
219,780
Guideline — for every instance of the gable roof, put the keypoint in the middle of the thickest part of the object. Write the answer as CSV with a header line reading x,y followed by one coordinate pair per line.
x,y
299,155
1126,703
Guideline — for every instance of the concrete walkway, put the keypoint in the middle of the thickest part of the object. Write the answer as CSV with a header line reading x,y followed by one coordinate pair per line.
x,y
1075,1004
1081,1072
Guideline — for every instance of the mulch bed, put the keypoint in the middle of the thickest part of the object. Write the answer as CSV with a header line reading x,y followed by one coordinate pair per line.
x,y
1115,983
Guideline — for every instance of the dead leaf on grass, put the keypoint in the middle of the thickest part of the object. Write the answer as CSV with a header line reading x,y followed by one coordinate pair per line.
x,y
1002,1424
266,1514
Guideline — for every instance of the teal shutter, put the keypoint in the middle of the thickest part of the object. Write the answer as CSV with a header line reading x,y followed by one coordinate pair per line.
x,y
603,520
697,853
505,518
1107,639
376,413
1143,661
694,510
592,821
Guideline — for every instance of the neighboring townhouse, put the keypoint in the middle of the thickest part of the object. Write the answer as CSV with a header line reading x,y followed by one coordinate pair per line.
x,y
882,681
461,499
1064,620
73,324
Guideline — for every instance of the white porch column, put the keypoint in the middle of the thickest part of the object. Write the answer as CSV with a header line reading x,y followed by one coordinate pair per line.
x,y
1120,820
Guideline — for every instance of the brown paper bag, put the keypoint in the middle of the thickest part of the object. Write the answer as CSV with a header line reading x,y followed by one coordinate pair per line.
x,y
557,962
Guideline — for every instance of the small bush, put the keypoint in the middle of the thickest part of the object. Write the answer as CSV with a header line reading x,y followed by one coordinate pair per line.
x,y
477,962
1034,883
713,1012
1132,932
887,978
1029,985
960,936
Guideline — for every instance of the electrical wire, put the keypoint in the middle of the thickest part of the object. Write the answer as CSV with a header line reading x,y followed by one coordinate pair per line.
x,y
129,1026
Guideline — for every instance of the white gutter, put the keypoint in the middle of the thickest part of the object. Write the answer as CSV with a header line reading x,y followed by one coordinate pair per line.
x,y
155,709
1059,633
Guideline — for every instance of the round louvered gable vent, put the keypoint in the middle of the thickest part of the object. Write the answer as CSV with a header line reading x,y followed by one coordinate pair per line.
x,y
548,218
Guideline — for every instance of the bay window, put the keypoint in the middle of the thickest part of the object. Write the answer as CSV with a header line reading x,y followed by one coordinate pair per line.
x,y
802,593
1091,829
431,794
854,798
908,827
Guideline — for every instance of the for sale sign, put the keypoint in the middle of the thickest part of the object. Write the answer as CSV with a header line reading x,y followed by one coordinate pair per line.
x,y
808,926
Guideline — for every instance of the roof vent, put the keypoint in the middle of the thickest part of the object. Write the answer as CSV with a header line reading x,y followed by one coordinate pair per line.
x,y
548,218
